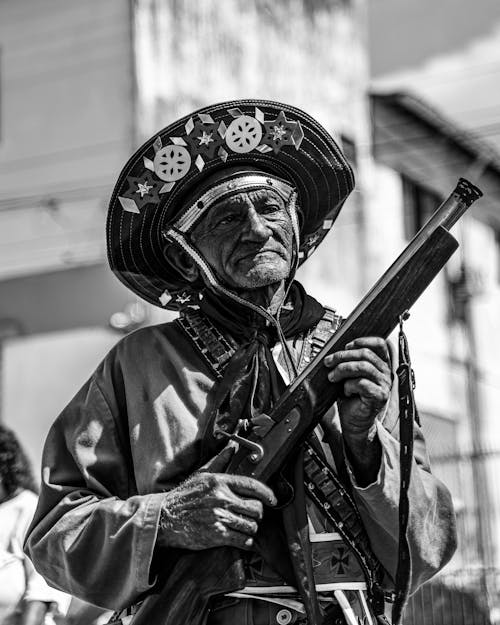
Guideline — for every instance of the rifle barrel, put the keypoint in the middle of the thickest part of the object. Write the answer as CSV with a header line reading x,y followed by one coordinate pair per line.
x,y
450,211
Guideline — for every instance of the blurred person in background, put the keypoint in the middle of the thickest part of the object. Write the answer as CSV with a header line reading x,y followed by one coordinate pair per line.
x,y
25,598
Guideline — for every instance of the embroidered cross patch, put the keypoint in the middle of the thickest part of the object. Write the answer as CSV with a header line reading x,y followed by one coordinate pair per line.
x,y
340,561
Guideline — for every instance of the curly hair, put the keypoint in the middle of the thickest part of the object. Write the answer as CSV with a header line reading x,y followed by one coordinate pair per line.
x,y
15,468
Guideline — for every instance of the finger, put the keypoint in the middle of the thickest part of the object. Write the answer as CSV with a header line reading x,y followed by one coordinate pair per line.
x,y
359,369
367,390
250,487
223,535
252,508
238,522
363,354
218,463
373,349
374,343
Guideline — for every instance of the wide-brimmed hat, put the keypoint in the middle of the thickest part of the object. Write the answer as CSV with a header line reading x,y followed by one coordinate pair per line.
x,y
151,191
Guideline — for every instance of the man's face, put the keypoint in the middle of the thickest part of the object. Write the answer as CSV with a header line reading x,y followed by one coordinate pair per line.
x,y
247,239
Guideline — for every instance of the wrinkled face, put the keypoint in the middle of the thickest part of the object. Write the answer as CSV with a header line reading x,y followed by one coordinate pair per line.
x,y
247,239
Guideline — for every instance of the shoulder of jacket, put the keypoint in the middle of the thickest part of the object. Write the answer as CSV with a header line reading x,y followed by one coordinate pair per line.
x,y
144,338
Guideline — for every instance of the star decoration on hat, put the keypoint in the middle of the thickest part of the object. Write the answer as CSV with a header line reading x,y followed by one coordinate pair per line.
x,y
204,139
279,132
143,190
311,240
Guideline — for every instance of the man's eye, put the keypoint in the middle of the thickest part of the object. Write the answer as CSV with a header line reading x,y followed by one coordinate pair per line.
x,y
270,208
227,220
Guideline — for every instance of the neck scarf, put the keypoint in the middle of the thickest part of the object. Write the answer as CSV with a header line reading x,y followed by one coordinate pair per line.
x,y
251,383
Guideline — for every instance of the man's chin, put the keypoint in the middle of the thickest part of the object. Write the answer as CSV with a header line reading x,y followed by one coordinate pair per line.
x,y
258,278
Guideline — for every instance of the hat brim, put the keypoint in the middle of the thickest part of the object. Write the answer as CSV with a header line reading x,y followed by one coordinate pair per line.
x,y
150,191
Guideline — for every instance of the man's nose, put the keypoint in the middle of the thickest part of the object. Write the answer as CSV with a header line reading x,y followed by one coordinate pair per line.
x,y
255,226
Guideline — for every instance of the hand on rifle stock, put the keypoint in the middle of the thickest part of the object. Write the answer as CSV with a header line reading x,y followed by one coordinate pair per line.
x,y
214,509
364,367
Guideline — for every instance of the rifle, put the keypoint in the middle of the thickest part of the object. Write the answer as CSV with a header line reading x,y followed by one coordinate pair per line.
x,y
196,577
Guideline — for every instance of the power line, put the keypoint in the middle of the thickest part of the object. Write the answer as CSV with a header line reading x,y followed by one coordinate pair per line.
x,y
90,37
488,129
396,146
91,190
495,155
482,109
28,80
460,127
466,134
76,152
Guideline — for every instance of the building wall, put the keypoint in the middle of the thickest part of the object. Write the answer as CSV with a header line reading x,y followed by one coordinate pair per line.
x,y
309,54
65,128
457,384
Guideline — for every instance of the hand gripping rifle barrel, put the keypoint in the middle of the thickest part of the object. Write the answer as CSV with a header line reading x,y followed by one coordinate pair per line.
x,y
183,595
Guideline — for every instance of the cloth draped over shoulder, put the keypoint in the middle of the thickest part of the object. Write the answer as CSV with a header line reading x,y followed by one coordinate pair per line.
x,y
251,383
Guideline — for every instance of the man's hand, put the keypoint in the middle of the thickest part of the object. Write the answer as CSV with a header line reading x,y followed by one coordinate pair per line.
x,y
212,509
364,367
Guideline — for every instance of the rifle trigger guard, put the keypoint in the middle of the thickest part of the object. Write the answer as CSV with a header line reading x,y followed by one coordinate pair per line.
x,y
256,449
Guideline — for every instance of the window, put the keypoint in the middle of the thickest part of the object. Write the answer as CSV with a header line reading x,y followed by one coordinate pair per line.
x,y
418,205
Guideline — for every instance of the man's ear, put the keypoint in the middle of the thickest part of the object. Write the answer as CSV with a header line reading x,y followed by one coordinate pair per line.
x,y
184,264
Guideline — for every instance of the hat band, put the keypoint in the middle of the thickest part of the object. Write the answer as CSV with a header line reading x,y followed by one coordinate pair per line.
x,y
219,191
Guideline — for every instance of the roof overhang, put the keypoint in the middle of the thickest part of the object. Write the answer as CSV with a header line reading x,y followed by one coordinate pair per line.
x,y
414,139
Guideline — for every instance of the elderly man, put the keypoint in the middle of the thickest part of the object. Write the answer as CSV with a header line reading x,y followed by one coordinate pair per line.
x,y
212,217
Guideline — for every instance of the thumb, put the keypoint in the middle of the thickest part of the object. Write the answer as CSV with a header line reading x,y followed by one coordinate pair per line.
x,y
218,463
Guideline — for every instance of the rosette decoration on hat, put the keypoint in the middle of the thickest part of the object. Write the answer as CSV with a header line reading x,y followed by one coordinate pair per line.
x,y
151,191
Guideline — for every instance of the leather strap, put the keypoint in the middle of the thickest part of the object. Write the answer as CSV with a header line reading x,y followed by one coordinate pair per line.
x,y
407,416
334,502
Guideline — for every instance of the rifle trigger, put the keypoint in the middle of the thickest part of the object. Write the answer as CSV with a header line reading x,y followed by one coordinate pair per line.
x,y
256,449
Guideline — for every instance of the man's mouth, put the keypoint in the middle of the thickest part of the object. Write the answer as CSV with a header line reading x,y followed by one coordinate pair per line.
x,y
262,252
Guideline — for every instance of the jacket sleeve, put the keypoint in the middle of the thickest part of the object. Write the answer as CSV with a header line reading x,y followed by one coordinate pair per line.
x,y
431,528
92,535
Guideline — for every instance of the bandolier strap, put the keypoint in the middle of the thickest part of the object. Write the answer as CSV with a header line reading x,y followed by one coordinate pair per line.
x,y
322,485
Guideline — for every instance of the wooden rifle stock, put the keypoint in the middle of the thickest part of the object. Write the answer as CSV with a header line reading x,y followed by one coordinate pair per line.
x,y
198,576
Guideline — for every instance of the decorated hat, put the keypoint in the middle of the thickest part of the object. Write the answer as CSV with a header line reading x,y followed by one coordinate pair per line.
x,y
152,189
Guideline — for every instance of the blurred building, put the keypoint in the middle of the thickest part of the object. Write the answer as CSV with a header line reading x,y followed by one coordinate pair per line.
x,y
65,130
455,327
83,84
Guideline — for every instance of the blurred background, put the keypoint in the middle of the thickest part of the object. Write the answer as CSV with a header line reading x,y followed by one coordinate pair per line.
x,y
411,90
